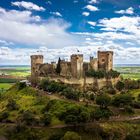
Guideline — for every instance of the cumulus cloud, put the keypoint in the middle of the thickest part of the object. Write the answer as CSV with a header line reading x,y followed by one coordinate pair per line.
x,y
56,14
124,24
92,8
91,23
86,14
28,5
25,28
129,11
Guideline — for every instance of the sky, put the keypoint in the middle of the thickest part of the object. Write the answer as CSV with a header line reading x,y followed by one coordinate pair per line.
x,y
59,28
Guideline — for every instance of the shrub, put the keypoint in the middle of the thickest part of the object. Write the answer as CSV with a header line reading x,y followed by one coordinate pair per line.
x,y
70,93
92,97
103,100
27,117
136,104
12,105
111,91
120,85
4,115
47,117
102,113
75,114
122,100
21,85
71,136
129,109
70,119
51,86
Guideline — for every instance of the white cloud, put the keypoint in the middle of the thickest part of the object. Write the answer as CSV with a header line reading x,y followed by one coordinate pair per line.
x,y
86,14
92,8
56,14
91,23
129,11
123,24
28,5
24,28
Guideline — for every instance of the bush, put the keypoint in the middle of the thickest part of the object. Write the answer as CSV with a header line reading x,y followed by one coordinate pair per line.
x,y
136,104
102,113
4,115
51,86
21,85
70,93
75,114
47,117
12,105
71,136
28,118
103,100
102,74
92,97
122,100
120,85
111,91
129,109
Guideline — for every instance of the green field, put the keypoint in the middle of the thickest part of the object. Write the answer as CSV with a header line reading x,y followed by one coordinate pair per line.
x,y
129,72
21,71
15,71
5,85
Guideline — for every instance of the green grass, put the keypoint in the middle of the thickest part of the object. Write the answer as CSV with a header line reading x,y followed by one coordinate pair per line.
x,y
129,72
5,85
135,93
16,71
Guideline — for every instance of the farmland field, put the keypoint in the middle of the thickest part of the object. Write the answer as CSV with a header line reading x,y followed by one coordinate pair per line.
x,y
132,72
21,71
14,72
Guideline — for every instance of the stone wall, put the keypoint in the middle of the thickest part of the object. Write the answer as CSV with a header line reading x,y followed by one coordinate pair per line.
x,y
86,83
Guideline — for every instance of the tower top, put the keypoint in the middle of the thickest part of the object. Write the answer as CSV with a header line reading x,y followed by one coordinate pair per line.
x,y
37,56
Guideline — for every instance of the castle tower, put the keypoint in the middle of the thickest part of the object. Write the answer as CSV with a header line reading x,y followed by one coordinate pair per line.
x,y
94,63
105,60
36,61
77,65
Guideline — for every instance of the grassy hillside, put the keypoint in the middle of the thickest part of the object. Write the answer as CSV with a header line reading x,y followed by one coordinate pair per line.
x,y
27,113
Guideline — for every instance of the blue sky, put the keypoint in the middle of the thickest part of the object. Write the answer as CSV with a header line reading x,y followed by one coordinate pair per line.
x,y
58,28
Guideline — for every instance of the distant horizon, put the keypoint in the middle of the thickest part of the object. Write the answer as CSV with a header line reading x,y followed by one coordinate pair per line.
x,y
16,65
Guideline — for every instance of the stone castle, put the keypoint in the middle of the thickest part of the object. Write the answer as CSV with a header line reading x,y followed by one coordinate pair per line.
x,y
75,68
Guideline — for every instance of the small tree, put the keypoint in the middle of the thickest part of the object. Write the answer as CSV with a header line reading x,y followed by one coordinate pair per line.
x,y
12,105
120,85
71,136
58,68
103,100
47,118
122,100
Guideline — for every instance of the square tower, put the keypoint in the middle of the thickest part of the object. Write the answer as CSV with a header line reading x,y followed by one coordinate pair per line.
x,y
77,65
105,60
36,61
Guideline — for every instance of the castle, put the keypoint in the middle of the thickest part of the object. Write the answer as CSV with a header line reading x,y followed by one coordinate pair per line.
x,y
75,68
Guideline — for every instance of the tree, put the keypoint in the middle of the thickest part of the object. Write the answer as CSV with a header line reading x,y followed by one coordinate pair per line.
x,y
103,100
47,118
120,85
122,100
102,113
27,117
58,68
12,105
71,136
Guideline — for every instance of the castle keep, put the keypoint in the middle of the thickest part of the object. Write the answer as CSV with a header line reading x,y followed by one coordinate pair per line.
x,y
75,68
